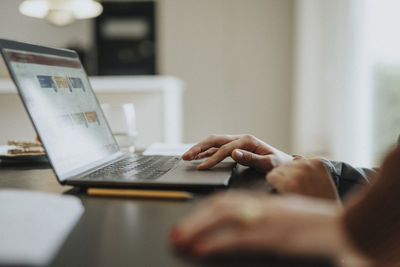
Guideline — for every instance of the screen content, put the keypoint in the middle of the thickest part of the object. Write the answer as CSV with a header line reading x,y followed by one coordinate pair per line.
x,y
64,110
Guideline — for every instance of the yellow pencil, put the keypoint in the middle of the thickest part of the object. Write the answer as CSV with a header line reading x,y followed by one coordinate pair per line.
x,y
139,193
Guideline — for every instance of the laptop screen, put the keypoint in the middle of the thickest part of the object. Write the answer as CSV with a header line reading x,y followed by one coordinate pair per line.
x,y
64,109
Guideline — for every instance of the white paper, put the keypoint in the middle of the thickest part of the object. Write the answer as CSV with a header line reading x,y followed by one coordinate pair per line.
x,y
167,149
34,225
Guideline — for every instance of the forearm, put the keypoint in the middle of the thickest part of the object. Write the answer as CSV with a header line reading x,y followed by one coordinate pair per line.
x,y
372,219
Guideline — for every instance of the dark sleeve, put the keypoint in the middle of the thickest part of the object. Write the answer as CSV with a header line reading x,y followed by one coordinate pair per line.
x,y
347,177
372,218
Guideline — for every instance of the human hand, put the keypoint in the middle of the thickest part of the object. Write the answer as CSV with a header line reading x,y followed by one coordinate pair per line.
x,y
248,222
308,177
244,149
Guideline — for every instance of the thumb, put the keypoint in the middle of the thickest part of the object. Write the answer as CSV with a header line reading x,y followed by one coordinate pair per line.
x,y
259,162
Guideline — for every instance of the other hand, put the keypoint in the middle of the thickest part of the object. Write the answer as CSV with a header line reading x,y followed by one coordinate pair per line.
x,y
308,177
244,149
247,222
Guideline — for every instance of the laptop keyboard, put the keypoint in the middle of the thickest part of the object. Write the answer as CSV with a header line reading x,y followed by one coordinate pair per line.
x,y
135,167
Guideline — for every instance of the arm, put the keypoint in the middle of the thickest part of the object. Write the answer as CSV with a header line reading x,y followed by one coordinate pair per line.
x,y
366,229
372,219
294,178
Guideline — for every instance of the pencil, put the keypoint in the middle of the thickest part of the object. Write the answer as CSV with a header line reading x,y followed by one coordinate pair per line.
x,y
139,193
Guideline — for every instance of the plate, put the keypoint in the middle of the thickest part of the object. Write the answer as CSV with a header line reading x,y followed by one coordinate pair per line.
x,y
24,158
38,157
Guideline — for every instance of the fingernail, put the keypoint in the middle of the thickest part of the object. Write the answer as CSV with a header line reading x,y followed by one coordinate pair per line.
x,y
239,154
200,166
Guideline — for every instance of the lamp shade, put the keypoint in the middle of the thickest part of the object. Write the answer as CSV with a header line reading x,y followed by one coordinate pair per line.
x,y
61,12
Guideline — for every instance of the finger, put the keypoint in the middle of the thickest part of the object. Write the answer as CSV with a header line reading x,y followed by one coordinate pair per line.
x,y
223,152
211,141
230,239
198,224
209,152
259,162
225,239
184,238
211,214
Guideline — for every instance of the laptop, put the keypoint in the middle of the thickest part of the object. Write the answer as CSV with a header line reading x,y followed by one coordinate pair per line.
x,y
68,119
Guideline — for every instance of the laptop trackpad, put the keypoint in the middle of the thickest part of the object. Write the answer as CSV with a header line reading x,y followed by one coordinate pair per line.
x,y
187,173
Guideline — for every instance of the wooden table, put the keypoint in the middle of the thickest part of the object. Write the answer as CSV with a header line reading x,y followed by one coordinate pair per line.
x,y
130,232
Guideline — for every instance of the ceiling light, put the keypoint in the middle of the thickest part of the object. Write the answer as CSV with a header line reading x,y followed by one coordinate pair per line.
x,y
34,8
61,12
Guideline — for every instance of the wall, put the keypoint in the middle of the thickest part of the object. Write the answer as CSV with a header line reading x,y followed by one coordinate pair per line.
x,y
236,58
332,107
234,55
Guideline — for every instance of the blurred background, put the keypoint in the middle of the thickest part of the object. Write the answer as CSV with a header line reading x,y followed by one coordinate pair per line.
x,y
311,77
